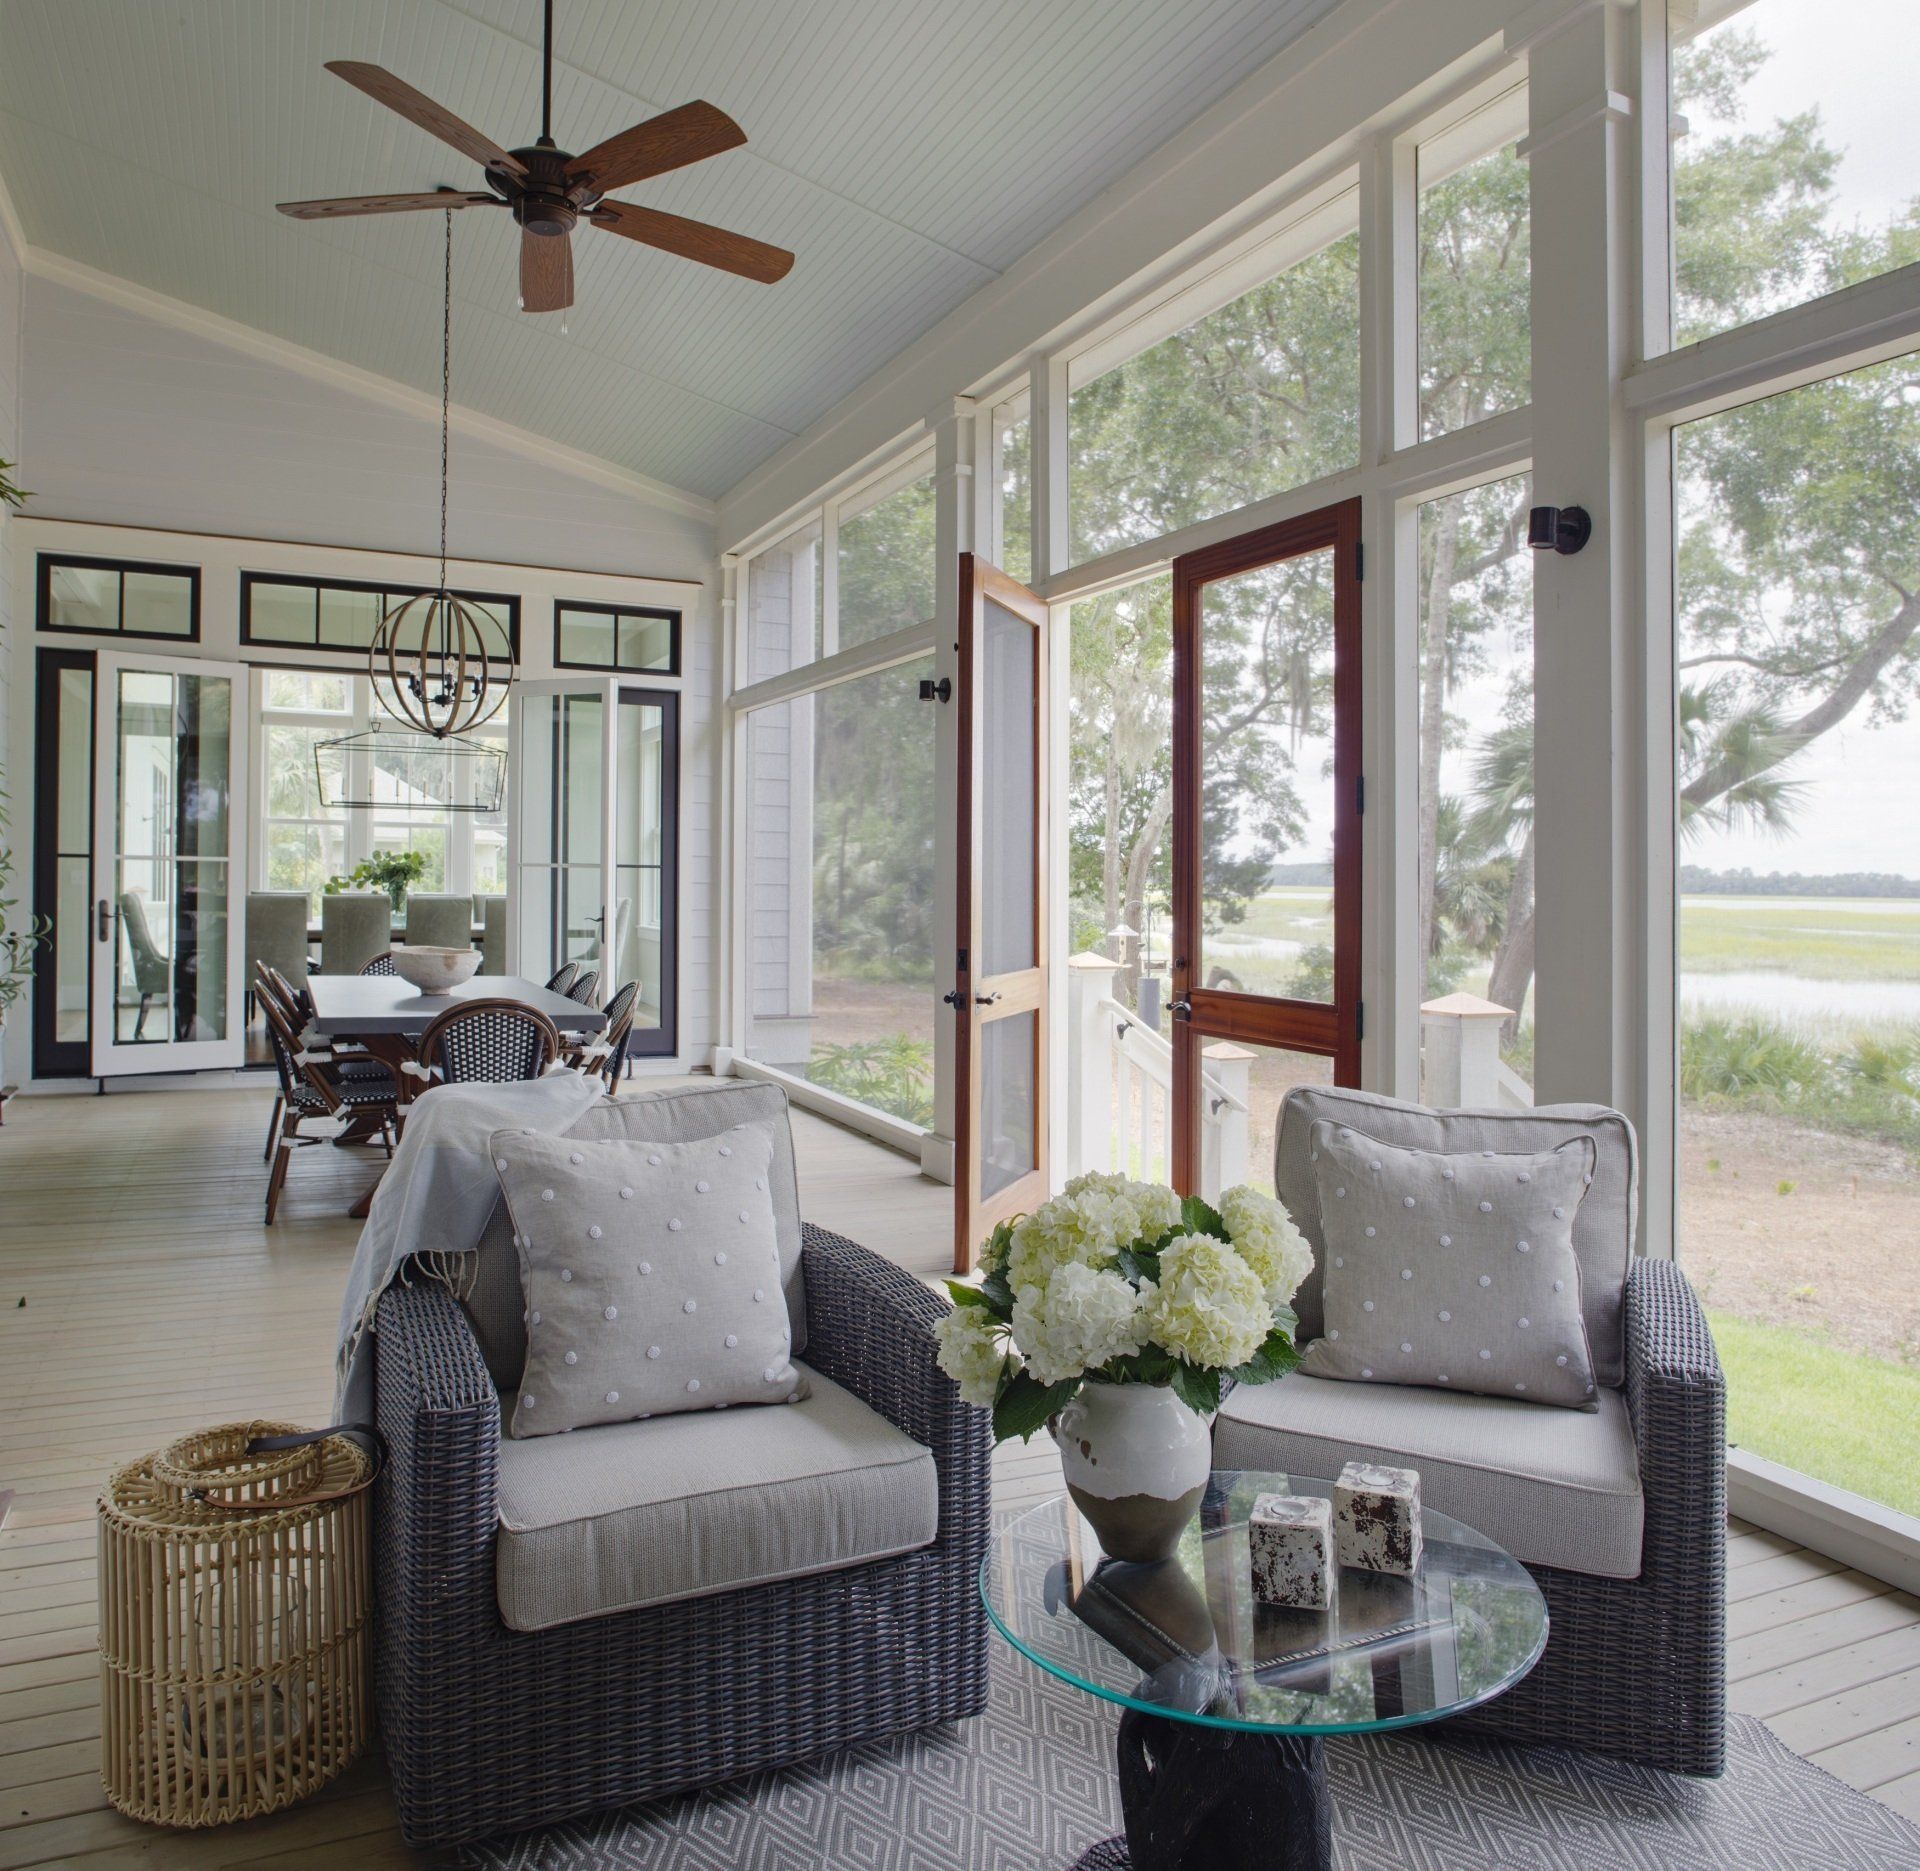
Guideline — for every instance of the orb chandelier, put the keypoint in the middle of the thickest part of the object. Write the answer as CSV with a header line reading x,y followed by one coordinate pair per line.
x,y
430,662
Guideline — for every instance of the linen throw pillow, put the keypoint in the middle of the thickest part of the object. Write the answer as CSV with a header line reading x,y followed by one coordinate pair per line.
x,y
1455,1272
651,1273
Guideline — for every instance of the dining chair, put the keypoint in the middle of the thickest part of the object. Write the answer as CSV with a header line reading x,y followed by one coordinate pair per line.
x,y
562,977
380,964
489,1042
583,986
604,1053
354,924
311,1087
150,971
440,921
276,933
493,935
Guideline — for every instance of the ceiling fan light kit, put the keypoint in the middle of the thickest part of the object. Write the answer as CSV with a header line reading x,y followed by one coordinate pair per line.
x,y
551,191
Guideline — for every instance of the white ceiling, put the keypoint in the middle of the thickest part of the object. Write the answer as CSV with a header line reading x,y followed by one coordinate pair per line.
x,y
907,150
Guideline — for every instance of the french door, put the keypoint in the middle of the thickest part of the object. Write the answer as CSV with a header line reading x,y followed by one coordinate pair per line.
x,y
999,994
593,833
1266,761
169,806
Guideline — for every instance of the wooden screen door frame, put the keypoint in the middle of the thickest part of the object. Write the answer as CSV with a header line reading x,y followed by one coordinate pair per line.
x,y
1201,1014
981,1000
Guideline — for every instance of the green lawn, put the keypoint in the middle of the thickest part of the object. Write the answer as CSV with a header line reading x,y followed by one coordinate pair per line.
x,y
1819,938
1847,1419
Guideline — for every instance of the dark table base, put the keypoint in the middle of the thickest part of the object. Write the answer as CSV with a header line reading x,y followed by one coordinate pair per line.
x,y
1215,1799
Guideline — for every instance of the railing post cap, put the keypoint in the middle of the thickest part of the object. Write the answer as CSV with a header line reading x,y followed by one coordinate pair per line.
x,y
1466,1007
1227,1050
1087,959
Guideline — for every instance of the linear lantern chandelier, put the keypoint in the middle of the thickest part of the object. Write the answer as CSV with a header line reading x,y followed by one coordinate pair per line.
x,y
429,660
399,770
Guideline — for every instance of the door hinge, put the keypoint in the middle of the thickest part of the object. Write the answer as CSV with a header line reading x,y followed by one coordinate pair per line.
x,y
1360,1020
1360,792
1360,558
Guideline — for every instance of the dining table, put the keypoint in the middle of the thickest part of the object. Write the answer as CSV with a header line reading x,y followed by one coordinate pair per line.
x,y
386,1016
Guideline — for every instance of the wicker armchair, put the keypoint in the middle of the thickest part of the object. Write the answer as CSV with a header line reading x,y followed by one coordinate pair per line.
x,y
489,1042
1632,1498
491,1729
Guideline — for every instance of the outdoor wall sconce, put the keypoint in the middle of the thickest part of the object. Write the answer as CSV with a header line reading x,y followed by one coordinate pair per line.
x,y
1558,529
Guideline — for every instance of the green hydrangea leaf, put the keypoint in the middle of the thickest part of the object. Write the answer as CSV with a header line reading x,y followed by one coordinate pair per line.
x,y
1024,1405
1197,1389
963,1294
1275,1358
1198,1217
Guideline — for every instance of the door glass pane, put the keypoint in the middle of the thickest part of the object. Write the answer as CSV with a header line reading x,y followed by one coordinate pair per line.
x,y
72,957
1794,150
561,886
158,603
638,906
840,886
587,637
1241,1091
173,748
1267,798
886,566
1262,395
645,642
1797,763
1007,793
83,597
1009,1090
1476,333
1475,834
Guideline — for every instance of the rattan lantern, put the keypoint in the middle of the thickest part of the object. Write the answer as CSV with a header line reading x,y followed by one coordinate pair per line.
x,y
235,1606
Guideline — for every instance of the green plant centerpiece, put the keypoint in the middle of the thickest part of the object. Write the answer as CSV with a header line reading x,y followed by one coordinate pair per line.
x,y
1112,1314
395,872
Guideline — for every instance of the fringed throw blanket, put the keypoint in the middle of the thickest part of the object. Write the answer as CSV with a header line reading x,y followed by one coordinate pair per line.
x,y
434,1202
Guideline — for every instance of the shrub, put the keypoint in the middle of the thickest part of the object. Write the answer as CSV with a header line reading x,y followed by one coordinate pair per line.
x,y
1747,1058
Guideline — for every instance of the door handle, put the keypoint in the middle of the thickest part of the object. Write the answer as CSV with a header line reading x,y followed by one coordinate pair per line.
x,y
103,921
1182,1009
958,999
985,1000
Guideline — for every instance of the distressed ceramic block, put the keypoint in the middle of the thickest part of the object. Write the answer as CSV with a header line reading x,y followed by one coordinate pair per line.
x,y
1290,1539
1376,1517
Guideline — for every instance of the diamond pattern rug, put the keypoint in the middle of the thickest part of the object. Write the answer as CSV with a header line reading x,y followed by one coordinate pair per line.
x,y
1028,1786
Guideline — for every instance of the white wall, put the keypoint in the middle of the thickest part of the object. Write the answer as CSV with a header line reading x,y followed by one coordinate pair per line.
x,y
148,430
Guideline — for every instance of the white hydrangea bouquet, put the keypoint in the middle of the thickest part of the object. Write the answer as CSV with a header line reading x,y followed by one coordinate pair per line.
x,y
1123,1282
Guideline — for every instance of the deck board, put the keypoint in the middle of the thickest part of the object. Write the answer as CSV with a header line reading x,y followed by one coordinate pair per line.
x,y
157,1301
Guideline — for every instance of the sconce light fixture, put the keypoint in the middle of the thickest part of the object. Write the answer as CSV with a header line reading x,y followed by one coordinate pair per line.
x,y
1558,529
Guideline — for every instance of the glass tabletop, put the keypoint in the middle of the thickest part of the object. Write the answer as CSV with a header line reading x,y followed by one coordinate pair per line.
x,y
1185,1637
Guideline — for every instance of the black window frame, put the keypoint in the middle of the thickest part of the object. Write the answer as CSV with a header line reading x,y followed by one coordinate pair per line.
x,y
57,1058
505,600
46,563
615,667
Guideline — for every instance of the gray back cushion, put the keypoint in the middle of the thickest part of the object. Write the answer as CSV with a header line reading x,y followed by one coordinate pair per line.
x,y
496,1304
1603,1229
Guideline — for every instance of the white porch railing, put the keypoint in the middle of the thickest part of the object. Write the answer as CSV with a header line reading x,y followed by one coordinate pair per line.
x,y
1120,1089
1461,1067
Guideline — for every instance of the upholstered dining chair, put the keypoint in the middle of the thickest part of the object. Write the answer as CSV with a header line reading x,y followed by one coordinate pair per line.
x,y
276,933
311,1087
489,1042
439,921
1620,1513
150,972
493,935
354,926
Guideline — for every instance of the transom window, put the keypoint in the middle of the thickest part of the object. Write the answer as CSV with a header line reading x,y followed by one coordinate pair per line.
x,y
623,639
119,597
343,613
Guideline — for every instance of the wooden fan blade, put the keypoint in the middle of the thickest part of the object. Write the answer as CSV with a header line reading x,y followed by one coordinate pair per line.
x,y
670,141
546,271
695,240
396,94
385,204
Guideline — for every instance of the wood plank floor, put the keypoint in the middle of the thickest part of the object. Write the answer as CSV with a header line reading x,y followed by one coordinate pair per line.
x,y
140,1296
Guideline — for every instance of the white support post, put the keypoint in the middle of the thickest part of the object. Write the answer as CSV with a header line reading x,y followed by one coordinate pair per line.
x,y
1587,653
732,1037
1047,476
1462,1035
1089,1128
1224,1134
956,498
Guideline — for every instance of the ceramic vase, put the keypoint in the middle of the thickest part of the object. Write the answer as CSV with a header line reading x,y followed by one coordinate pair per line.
x,y
1136,1461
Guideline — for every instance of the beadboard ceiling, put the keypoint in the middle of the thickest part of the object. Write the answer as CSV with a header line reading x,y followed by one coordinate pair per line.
x,y
907,150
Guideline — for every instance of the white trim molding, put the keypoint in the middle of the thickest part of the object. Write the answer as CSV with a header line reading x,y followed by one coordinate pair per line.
x,y
1870,1538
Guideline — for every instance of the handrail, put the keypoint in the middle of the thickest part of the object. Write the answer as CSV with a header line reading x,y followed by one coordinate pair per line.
x,y
1158,1062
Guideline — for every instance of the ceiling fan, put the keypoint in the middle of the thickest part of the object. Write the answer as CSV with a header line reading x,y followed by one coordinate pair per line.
x,y
550,191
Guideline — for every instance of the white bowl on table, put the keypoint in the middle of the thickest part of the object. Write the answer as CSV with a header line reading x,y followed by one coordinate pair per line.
x,y
435,970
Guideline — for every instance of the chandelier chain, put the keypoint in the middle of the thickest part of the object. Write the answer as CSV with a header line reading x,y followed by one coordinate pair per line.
x,y
446,385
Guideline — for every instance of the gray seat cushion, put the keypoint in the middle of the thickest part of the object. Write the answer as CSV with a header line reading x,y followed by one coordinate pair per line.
x,y
1603,1226
629,1514
496,1303
1554,1487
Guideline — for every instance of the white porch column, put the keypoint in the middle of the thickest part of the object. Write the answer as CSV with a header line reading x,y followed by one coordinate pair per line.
x,y
1088,1138
1588,662
1462,1047
956,501
1223,1122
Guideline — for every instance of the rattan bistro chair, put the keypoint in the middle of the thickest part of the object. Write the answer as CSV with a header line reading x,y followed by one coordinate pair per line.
x,y
490,1042
380,964
604,1053
562,977
1620,1514
581,991
311,1087
491,1726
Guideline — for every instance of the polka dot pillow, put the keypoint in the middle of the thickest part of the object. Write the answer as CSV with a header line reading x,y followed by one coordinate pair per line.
x,y
1455,1272
651,1273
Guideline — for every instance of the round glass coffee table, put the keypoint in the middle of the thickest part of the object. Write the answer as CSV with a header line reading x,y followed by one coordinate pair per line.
x,y
1225,1700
